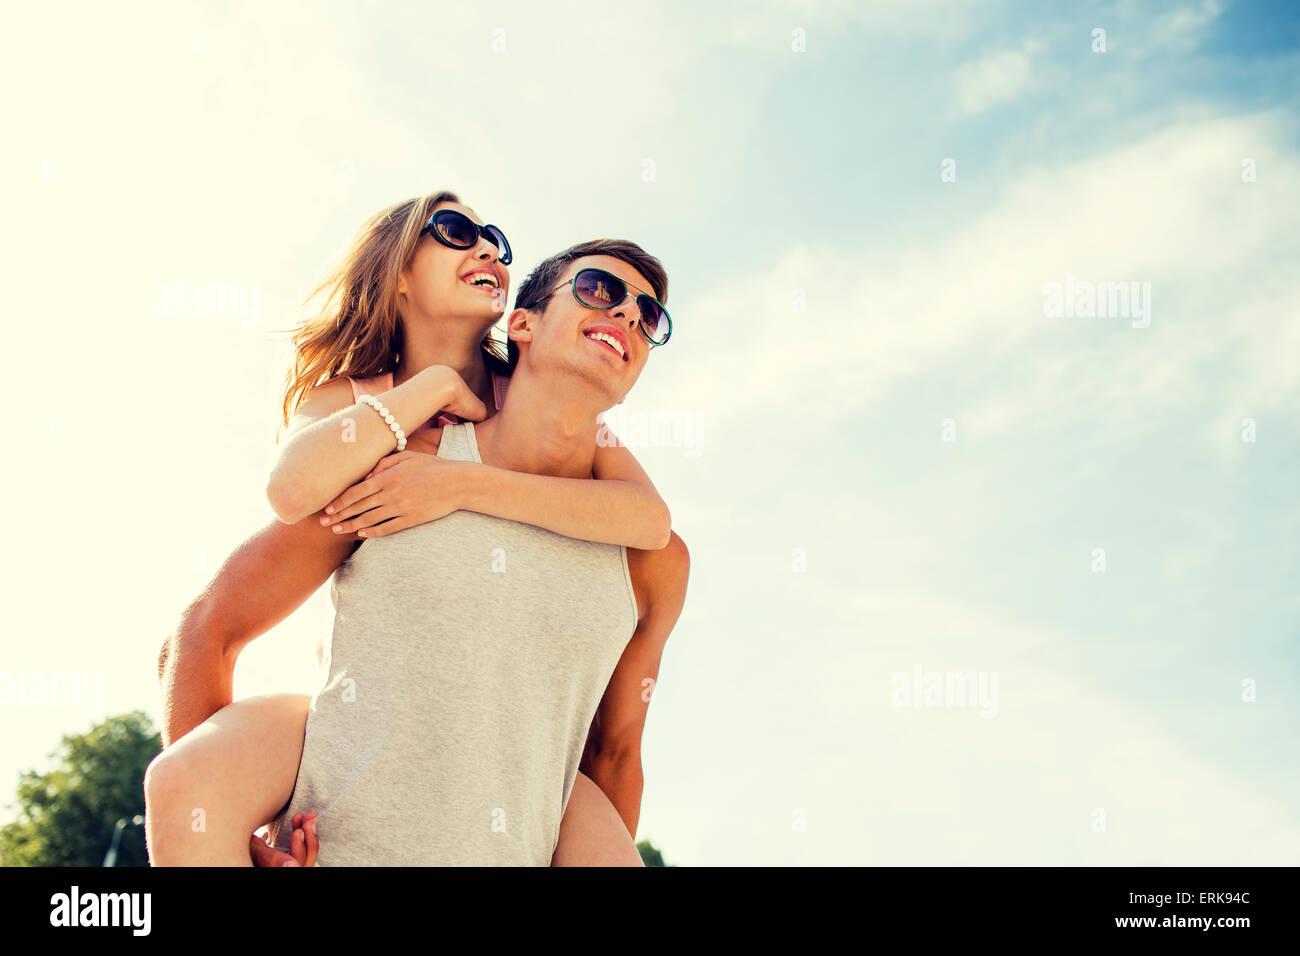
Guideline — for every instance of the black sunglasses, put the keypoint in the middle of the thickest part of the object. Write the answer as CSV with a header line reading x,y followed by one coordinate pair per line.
x,y
457,230
598,289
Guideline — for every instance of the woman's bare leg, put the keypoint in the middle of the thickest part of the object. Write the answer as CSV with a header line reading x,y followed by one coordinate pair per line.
x,y
591,832
208,792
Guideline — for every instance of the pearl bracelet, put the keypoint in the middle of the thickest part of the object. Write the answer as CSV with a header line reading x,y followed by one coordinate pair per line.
x,y
392,422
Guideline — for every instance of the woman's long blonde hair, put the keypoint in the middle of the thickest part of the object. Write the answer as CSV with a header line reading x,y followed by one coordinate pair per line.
x,y
357,331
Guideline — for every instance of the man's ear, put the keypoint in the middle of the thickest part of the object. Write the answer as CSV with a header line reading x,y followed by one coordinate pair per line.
x,y
519,326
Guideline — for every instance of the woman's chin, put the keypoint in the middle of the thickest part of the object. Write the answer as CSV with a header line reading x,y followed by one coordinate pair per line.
x,y
477,310
480,304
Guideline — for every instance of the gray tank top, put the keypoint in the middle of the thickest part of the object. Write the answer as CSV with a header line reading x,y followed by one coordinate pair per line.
x,y
468,658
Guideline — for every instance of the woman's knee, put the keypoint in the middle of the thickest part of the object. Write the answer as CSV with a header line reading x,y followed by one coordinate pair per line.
x,y
245,754
169,799
166,776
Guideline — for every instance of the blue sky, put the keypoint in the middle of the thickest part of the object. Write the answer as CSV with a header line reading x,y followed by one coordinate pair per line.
x,y
837,538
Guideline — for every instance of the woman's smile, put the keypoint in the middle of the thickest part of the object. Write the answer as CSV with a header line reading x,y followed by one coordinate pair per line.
x,y
483,278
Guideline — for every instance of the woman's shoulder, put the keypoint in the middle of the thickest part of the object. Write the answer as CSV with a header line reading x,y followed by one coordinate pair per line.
x,y
324,400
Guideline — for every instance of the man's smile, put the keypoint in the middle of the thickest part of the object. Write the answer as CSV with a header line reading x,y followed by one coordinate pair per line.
x,y
610,338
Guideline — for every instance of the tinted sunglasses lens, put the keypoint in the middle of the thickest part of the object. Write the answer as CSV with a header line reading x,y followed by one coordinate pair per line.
x,y
598,289
654,320
498,239
456,230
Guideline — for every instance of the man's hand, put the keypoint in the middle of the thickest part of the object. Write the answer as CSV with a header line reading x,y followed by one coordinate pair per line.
x,y
303,846
404,489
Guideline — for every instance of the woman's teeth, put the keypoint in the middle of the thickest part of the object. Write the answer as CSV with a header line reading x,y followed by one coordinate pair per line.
x,y
481,280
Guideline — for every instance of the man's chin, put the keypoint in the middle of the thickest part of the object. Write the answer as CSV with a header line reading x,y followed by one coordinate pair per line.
x,y
602,383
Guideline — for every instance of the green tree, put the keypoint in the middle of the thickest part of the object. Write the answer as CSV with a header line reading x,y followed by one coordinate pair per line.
x,y
66,816
650,856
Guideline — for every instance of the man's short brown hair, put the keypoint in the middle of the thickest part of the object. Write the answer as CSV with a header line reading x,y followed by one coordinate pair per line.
x,y
547,273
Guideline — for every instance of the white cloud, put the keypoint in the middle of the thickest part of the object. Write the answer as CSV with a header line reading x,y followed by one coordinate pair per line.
x,y
1184,25
1170,209
766,24
994,79
886,785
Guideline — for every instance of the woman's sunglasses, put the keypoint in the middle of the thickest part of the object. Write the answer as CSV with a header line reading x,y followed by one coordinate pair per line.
x,y
598,289
458,231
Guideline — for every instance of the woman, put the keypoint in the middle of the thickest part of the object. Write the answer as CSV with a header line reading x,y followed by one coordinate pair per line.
x,y
414,299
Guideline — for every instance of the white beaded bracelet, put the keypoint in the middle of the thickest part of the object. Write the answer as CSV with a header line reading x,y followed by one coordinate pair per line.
x,y
392,422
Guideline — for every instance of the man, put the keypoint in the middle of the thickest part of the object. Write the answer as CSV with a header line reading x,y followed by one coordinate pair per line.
x,y
574,360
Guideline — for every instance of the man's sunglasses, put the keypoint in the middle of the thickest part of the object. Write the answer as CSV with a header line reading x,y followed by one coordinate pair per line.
x,y
458,231
598,289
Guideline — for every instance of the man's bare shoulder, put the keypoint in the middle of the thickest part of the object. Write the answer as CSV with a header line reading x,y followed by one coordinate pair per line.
x,y
659,577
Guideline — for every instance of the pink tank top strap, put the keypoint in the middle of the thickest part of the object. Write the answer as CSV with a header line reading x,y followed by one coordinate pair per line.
x,y
371,386
499,383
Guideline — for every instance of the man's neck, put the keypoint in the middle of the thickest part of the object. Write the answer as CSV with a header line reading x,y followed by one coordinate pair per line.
x,y
541,430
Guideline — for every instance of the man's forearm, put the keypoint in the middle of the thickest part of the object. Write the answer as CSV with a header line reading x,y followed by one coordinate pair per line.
x,y
197,676
263,581
622,781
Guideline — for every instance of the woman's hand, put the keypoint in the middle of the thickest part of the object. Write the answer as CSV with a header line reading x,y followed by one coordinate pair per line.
x,y
404,489
303,850
459,400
